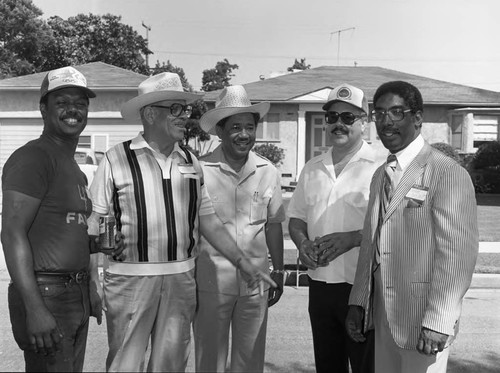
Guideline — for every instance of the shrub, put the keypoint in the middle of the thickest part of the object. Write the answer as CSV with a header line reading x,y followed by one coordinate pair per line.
x,y
274,154
485,168
487,156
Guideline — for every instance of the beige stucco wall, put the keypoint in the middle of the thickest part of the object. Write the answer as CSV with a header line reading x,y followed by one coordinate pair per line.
x,y
287,138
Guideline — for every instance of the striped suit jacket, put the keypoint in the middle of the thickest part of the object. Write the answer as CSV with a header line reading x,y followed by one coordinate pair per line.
x,y
427,250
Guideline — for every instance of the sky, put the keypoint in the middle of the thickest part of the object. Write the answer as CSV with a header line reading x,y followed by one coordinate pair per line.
x,y
450,40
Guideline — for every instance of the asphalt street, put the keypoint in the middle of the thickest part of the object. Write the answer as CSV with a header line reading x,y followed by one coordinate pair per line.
x,y
289,343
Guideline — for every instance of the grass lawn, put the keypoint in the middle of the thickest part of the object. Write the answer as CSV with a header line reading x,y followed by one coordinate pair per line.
x,y
488,216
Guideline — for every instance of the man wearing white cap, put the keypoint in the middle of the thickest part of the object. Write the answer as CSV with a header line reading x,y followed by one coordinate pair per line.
x,y
44,232
246,193
156,192
326,212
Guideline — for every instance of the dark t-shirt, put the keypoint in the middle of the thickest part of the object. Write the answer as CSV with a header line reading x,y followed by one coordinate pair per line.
x,y
58,236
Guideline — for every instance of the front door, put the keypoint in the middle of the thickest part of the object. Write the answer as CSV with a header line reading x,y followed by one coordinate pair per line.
x,y
319,140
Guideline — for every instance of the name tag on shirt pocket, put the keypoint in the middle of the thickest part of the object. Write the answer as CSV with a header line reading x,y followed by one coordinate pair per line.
x,y
188,171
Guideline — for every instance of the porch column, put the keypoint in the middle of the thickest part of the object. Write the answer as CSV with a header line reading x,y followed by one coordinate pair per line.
x,y
468,133
301,141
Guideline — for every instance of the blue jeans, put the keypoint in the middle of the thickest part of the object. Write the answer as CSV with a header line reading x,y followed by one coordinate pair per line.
x,y
70,306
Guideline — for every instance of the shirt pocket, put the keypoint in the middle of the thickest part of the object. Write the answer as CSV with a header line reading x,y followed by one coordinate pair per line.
x,y
258,210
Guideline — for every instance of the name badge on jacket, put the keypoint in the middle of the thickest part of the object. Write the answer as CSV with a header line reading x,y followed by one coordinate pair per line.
x,y
417,195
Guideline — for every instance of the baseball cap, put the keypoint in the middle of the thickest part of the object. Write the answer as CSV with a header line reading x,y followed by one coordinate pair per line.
x,y
65,77
348,94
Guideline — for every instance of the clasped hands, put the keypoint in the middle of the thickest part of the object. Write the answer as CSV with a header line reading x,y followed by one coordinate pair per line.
x,y
323,250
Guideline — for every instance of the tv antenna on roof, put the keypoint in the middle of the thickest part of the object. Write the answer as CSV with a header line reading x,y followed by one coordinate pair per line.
x,y
148,28
338,40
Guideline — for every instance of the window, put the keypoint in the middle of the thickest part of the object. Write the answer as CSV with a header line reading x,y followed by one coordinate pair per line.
x,y
485,128
269,127
85,142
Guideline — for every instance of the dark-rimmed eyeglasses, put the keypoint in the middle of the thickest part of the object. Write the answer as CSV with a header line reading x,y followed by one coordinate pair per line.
x,y
332,117
177,109
395,114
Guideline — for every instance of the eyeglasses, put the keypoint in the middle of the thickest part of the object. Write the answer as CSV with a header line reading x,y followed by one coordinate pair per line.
x,y
177,109
347,117
395,114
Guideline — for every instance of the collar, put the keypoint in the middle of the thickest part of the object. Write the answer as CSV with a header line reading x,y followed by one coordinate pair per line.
x,y
218,159
139,142
366,152
408,154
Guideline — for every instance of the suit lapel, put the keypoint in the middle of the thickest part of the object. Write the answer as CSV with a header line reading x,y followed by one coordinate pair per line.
x,y
377,187
409,178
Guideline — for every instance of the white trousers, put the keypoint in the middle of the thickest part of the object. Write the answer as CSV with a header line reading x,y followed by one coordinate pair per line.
x,y
389,357
247,318
140,308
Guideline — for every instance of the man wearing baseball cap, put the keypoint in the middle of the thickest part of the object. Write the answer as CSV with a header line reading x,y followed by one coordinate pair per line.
x,y
326,212
155,189
44,232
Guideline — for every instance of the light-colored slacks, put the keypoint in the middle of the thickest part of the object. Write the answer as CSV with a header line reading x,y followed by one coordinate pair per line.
x,y
246,316
389,357
143,307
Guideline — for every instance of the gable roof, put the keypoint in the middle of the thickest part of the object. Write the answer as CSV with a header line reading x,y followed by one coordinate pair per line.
x,y
292,86
99,75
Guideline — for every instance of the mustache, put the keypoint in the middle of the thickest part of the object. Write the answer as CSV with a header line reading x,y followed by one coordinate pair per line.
x,y
339,128
389,129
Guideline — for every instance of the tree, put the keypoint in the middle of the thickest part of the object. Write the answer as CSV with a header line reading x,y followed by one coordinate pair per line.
x,y
23,37
299,65
89,38
168,67
218,77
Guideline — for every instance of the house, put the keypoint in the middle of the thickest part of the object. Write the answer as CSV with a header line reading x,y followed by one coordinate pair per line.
x,y
21,121
462,116
459,115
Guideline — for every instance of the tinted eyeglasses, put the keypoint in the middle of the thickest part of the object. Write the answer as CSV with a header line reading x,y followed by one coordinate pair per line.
x,y
347,117
177,109
395,114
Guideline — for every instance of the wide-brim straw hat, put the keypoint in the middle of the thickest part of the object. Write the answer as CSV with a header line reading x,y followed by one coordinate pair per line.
x,y
231,101
156,88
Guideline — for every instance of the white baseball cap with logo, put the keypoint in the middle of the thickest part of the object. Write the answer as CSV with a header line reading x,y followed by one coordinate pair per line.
x,y
64,77
348,94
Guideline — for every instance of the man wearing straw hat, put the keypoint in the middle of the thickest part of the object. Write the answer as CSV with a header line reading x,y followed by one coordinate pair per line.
x,y
155,190
246,193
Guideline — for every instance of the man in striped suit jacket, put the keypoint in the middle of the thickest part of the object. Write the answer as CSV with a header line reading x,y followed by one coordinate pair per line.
x,y
420,243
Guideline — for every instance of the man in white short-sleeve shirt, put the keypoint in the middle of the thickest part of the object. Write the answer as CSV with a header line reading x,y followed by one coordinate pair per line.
x,y
327,212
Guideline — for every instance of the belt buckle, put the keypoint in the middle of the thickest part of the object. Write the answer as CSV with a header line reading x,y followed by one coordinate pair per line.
x,y
79,277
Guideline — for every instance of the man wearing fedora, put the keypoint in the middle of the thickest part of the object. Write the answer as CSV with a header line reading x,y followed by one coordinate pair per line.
x,y
246,193
44,232
327,212
156,192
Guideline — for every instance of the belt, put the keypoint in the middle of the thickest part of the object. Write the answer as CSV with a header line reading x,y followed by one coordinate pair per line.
x,y
150,269
61,277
